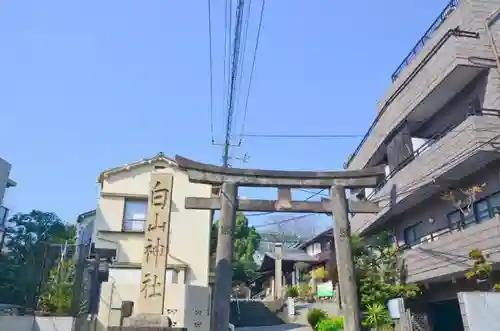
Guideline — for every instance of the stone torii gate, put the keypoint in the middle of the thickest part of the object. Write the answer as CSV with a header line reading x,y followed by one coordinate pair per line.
x,y
227,201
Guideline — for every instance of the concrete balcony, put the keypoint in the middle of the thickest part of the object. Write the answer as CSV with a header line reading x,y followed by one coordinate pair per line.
x,y
449,59
446,255
457,154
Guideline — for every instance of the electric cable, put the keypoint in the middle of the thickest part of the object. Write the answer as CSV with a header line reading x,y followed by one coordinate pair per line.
x,y
273,212
227,55
449,161
232,84
281,221
254,60
243,51
424,179
211,71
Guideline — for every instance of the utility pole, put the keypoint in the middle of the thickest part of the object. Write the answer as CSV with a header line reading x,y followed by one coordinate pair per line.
x,y
234,74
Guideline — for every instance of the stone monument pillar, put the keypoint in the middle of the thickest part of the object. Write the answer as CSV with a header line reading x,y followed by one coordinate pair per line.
x,y
278,273
149,314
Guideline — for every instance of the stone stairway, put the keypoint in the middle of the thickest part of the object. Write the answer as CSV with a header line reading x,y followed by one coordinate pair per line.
x,y
248,313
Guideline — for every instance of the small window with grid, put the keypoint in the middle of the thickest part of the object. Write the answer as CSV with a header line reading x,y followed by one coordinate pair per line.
x,y
134,216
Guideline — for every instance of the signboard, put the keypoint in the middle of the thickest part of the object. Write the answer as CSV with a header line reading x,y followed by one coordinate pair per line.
x,y
324,290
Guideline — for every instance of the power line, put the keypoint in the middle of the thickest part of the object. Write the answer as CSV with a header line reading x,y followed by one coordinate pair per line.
x,y
211,70
281,221
273,212
255,135
234,72
243,52
253,68
427,177
316,135
409,187
227,53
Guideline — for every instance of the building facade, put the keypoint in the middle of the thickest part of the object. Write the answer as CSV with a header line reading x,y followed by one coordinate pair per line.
x,y
120,224
5,183
437,132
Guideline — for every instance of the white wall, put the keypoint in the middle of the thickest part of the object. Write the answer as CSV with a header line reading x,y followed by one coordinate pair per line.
x,y
85,230
32,323
314,249
4,177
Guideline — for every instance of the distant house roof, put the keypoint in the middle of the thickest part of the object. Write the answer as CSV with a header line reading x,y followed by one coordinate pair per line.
x,y
289,256
158,157
323,255
277,237
326,233
86,214
293,255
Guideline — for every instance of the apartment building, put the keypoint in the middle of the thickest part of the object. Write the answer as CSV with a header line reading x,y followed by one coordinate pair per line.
x,y
437,130
5,183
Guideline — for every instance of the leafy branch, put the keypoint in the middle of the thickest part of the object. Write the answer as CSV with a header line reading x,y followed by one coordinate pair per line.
x,y
463,198
481,269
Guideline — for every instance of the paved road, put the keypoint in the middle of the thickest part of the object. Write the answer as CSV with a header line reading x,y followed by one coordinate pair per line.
x,y
283,327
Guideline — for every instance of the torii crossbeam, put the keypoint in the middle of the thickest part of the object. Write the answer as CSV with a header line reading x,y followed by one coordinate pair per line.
x,y
227,201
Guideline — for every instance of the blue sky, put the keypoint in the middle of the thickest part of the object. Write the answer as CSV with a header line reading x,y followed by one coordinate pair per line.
x,y
88,85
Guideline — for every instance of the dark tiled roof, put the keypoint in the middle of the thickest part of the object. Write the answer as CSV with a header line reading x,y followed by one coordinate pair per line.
x,y
293,255
328,232
276,237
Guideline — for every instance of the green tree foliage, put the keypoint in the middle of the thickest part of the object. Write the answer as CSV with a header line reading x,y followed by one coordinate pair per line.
x,y
481,271
332,323
314,316
378,273
377,317
28,237
57,292
246,241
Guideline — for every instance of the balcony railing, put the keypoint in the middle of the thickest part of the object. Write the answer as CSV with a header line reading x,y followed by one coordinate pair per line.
x,y
450,8
451,228
434,139
429,237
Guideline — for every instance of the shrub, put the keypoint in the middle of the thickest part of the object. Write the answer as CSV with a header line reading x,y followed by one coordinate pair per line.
x,y
304,290
377,316
319,273
315,316
292,292
334,323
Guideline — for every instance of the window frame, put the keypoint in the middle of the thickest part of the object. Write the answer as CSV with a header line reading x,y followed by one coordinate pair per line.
x,y
488,206
124,216
455,226
492,211
406,230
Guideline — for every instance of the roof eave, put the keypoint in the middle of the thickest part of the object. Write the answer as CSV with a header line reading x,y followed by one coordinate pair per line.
x,y
159,157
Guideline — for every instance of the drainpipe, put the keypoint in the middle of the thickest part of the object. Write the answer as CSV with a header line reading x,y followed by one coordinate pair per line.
x,y
487,24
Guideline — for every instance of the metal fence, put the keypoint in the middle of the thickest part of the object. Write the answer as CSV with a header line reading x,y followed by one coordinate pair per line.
x,y
26,277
